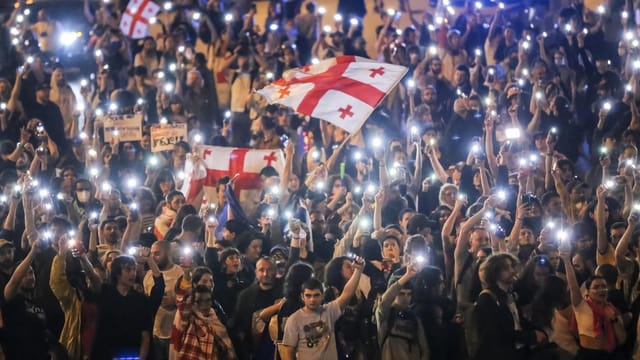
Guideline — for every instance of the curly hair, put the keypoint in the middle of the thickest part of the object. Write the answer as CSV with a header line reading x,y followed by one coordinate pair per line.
x,y
333,273
297,275
495,264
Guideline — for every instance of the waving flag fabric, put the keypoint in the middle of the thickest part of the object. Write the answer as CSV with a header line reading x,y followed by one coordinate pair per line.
x,y
136,18
217,162
344,90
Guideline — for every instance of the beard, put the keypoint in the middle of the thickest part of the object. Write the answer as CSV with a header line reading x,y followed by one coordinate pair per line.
x,y
113,239
163,263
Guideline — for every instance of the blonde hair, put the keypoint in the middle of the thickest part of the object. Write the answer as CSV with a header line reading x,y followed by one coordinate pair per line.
x,y
443,189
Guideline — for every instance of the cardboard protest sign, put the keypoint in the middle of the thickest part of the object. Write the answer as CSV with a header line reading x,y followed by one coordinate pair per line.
x,y
164,137
123,127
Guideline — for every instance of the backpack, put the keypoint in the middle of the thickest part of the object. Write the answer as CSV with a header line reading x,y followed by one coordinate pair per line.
x,y
393,317
471,326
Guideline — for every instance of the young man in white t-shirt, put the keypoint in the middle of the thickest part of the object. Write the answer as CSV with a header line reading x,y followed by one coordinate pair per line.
x,y
309,332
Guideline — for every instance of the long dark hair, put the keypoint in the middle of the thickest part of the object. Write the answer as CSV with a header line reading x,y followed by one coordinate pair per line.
x,y
117,265
296,276
552,295
333,273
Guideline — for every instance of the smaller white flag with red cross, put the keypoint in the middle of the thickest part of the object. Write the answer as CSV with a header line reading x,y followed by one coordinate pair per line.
x,y
216,162
343,91
135,18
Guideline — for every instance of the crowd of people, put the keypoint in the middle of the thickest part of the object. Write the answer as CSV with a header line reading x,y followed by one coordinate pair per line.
x,y
487,209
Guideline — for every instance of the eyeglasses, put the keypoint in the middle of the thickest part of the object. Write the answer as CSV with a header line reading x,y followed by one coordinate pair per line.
x,y
203,301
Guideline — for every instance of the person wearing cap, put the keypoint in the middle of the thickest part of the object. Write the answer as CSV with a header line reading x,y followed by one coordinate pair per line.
x,y
420,224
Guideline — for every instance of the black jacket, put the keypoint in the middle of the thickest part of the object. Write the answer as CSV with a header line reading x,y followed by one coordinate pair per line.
x,y
498,336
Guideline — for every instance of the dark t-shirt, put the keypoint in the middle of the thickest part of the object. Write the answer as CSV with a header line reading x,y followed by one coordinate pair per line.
x,y
51,117
44,296
121,321
25,330
251,300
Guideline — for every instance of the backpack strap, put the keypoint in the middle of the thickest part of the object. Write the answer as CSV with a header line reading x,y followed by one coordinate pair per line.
x,y
468,261
493,296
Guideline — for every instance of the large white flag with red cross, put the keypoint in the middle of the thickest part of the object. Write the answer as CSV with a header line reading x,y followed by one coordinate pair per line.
x,y
216,162
135,18
343,91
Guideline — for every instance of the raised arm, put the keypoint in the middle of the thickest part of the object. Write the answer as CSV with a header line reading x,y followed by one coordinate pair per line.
x,y
27,203
351,285
11,289
625,266
534,124
603,243
87,12
416,182
289,153
439,170
549,184
10,220
377,210
465,230
132,231
484,181
447,228
333,159
492,161
572,281
12,104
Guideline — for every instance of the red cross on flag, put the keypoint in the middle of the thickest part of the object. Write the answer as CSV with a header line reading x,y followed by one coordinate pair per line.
x,y
136,17
217,162
343,91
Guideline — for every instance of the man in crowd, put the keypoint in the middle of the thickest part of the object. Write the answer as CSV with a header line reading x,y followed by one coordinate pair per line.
x,y
161,253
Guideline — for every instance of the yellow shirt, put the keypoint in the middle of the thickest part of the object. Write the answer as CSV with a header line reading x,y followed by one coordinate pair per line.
x,y
70,304
607,258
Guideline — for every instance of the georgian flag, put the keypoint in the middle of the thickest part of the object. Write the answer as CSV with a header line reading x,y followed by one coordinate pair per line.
x,y
343,91
216,162
136,18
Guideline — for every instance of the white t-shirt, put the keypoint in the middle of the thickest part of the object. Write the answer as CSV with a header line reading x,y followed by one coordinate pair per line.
x,y
312,333
163,322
